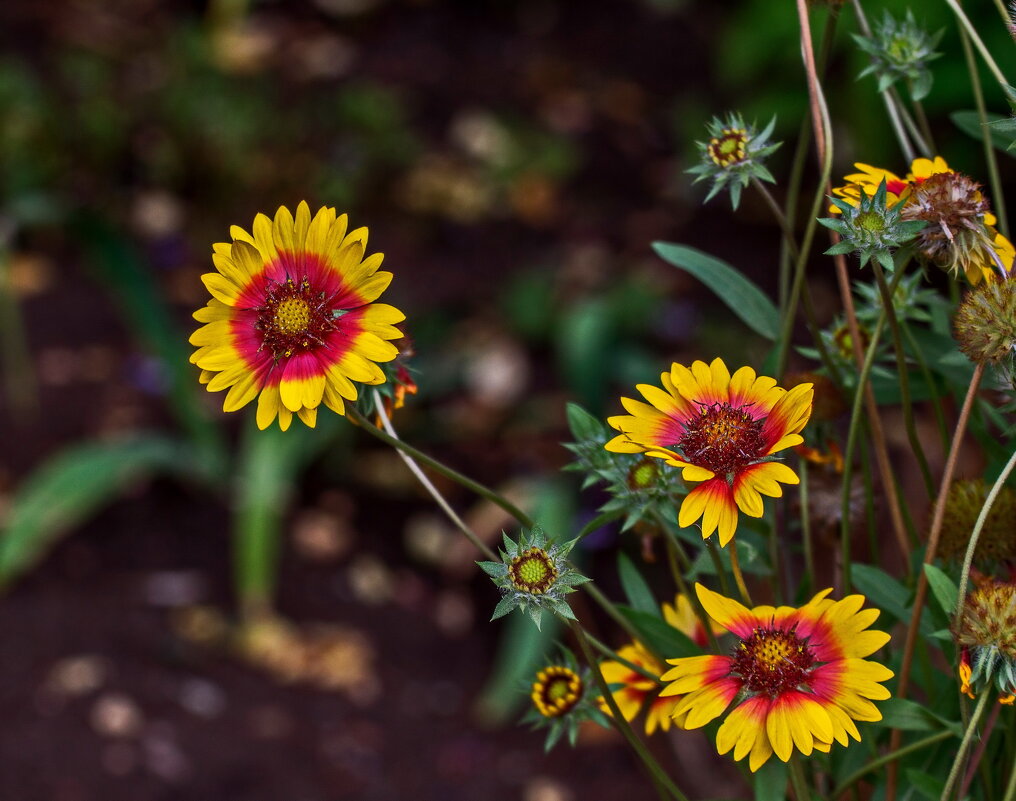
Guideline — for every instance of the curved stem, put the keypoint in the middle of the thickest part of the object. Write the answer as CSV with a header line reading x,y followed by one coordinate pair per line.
x,y
607,606
797,781
975,535
659,776
901,367
447,472
891,757
976,39
929,556
429,486
1010,790
922,365
991,162
610,653
735,567
978,755
961,754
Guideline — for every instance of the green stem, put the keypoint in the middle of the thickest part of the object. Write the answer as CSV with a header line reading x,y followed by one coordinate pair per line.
x,y
797,781
610,653
607,606
735,567
892,756
443,469
809,554
990,160
901,367
922,121
920,143
855,427
658,775
721,570
976,39
1010,789
922,365
675,552
975,535
961,754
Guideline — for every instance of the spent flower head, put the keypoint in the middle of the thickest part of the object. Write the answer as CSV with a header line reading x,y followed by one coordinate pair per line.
x,y
871,228
987,638
734,155
900,49
534,575
563,697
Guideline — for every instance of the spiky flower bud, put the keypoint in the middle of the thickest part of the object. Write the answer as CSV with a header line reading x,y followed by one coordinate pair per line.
x,y
563,697
733,155
987,638
900,49
985,323
871,229
533,575
997,542
956,237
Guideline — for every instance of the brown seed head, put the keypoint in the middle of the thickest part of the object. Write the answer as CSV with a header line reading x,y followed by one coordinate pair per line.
x,y
989,617
985,323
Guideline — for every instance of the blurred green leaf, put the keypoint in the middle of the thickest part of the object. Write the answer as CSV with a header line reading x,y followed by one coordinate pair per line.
x,y
71,486
584,337
926,786
970,123
742,297
636,590
771,781
943,588
899,713
659,635
144,309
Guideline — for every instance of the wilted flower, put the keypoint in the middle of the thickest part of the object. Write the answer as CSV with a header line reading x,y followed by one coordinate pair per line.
x,y
987,639
900,49
798,677
734,155
723,431
292,320
534,575
985,323
871,229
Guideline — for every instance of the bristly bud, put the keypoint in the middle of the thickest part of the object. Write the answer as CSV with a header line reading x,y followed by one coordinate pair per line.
x,y
956,237
900,49
997,542
640,488
987,638
533,575
563,697
985,323
733,155
871,229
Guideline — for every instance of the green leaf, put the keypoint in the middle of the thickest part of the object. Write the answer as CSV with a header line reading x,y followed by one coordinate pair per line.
x,y
636,589
69,488
743,297
660,635
771,781
944,588
882,590
141,302
926,786
899,713
583,425
970,123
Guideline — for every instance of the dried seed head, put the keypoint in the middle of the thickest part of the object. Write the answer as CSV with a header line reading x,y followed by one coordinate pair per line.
x,y
955,237
985,323
989,618
997,541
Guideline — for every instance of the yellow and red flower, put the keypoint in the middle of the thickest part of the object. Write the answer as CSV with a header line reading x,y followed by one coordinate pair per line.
x,y
798,676
292,320
960,234
723,431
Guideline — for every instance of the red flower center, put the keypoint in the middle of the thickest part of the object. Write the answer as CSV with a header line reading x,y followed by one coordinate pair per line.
x,y
293,318
557,690
729,148
772,661
722,439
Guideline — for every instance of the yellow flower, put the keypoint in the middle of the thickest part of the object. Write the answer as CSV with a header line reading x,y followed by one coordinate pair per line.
x,y
723,431
798,675
292,320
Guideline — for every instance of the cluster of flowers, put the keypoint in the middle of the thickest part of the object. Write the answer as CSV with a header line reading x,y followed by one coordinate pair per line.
x,y
294,321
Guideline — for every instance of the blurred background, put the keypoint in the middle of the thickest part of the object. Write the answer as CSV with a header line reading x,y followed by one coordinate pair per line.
x,y
195,610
